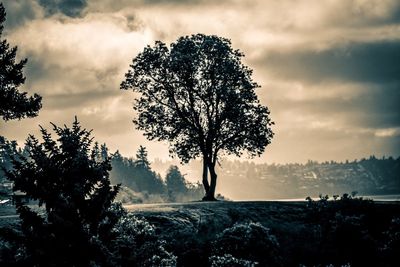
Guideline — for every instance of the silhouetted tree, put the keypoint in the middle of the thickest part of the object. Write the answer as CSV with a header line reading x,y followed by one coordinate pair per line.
x,y
96,151
199,97
67,179
176,184
146,179
104,151
14,104
141,158
8,151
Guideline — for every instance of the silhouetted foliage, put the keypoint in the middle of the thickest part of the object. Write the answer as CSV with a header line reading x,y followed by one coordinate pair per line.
x,y
350,229
249,241
138,245
391,244
71,186
141,158
104,152
14,104
8,151
199,97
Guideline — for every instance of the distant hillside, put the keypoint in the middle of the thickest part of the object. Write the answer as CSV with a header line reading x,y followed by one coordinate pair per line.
x,y
247,180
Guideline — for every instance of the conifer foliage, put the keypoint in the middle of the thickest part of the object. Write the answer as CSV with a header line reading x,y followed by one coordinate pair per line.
x,y
175,183
72,187
14,104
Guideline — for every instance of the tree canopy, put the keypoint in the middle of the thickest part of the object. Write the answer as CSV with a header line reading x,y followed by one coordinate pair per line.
x,y
141,158
14,104
198,96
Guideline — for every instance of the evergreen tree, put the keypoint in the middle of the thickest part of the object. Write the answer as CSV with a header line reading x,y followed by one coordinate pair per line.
x,y
104,151
71,184
175,182
141,158
146,179
8,151
14,104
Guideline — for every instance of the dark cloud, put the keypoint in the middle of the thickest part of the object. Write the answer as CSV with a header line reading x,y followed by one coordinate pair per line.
x,y
19,12
377,62
71,8
395,16
374,107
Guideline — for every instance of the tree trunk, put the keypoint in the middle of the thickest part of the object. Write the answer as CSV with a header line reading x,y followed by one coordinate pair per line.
x,y
213,184
210,193
205,177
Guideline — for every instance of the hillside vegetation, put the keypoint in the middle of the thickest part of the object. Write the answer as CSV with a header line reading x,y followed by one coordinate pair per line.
x,y
348,231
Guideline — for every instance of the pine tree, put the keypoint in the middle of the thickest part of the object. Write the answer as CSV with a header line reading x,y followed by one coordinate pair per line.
x,y
144,178
104,151
14,104
72,186
141,158
176,184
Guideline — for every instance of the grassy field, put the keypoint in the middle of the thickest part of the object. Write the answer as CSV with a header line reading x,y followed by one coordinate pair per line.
x,y
317,233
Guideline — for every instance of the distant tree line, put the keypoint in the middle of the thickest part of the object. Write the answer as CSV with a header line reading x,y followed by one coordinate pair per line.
x,y
137,175
142,184
134,174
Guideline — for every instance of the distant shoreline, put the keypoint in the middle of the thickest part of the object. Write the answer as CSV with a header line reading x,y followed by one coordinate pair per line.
x,y
378,198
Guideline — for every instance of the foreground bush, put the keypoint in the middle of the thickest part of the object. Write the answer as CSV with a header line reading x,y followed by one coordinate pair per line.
x,y
248,241
75,222
72,188
136,244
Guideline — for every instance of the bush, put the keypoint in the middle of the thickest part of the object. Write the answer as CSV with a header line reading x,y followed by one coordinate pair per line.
x,y
250,241
391,243
136,244
346,225
73,191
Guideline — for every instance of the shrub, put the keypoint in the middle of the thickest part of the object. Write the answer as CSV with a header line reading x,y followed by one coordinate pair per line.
x,y
391,243
72,189
250,241
136,244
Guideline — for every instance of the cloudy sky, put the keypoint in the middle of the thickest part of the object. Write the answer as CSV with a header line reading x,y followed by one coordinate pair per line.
x,y
329,70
